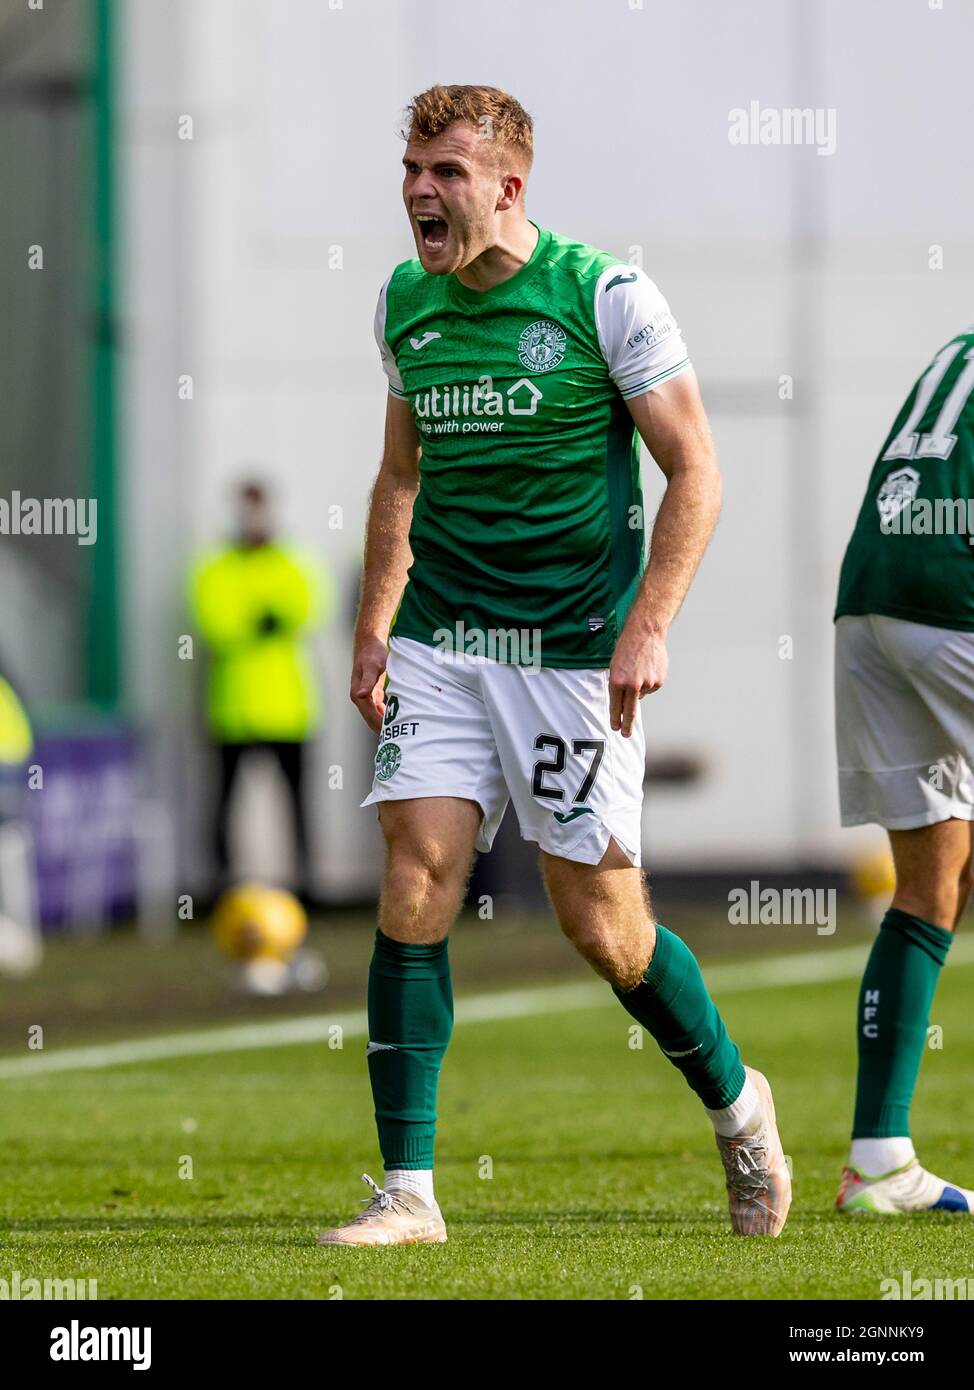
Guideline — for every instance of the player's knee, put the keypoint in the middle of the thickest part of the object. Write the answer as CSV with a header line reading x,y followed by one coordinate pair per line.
x,y
620,962
617,945
418,902
592,945
419,870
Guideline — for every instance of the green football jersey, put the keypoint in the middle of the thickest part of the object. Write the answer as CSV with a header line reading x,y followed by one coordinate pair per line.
x,y
912,551
529,516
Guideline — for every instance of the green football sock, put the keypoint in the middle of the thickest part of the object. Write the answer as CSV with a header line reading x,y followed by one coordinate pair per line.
x,y
410,1021
672,1003
894,1006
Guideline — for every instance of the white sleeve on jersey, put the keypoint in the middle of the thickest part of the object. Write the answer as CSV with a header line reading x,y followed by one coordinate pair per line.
x,y
638,335
385,351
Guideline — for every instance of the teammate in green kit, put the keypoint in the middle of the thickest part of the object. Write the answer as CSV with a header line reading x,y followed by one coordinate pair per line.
x,y
509,625
904,695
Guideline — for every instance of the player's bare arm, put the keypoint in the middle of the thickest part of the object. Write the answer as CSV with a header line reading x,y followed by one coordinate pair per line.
x,y
387,558
673,425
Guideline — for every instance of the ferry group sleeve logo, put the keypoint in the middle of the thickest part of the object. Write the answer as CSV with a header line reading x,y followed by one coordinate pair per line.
x,y
387,761
541,346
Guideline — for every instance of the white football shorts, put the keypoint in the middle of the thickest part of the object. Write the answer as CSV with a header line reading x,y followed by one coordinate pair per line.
x,y
904,721
487,731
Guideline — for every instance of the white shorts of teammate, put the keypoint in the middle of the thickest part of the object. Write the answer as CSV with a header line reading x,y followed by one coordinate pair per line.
x,y
465,726
904,716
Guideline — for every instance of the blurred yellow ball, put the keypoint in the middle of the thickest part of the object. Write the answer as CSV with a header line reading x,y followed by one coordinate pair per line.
x,y
251,923
873,874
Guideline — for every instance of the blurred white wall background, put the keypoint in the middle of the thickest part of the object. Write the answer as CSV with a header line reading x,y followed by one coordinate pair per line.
x,y
777,261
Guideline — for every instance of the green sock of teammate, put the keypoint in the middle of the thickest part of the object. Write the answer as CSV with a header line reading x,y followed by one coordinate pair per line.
x,y
672,1003
894,1006
410,1018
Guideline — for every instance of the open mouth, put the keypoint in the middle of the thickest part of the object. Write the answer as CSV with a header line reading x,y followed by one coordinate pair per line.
x,y
433,230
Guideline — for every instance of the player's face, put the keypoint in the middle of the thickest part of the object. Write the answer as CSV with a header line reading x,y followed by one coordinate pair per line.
x,y
453,180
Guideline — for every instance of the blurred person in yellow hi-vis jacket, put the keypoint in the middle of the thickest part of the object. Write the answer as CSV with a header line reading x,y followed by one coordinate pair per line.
x,y
16,739
20,940
255,602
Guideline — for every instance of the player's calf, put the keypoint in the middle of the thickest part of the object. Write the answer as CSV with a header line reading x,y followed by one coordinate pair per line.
x,y
657,979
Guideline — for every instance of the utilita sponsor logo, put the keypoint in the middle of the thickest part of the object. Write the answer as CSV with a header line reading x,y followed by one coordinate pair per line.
x,y
477,398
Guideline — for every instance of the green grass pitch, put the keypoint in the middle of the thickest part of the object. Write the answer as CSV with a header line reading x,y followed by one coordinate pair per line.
x,y
570,1166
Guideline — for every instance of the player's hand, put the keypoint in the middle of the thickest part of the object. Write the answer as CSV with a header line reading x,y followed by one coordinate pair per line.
x,y
639,666
368,678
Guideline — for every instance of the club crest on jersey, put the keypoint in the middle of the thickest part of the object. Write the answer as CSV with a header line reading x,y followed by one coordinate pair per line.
x,y
898,491
541,346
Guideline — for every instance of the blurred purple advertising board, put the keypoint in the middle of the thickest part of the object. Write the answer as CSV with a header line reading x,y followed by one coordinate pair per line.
x,y
83,821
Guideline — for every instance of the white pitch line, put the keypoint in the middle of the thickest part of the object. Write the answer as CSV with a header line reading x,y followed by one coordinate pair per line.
x,y
776,972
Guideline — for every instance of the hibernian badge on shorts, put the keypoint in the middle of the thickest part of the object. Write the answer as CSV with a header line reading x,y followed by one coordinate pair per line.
x,y
387,760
